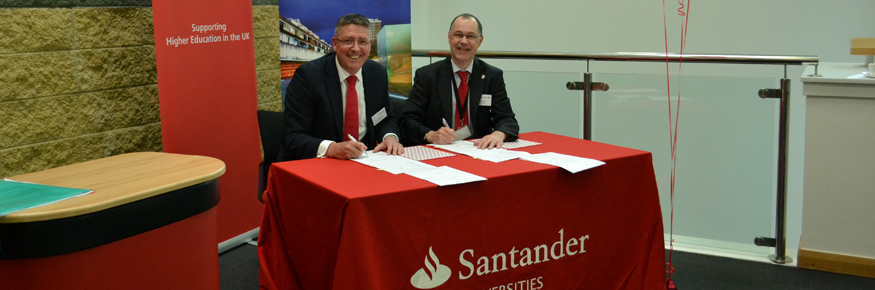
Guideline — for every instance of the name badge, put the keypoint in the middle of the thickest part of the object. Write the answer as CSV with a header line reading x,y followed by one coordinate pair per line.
x,y
486,100
379,116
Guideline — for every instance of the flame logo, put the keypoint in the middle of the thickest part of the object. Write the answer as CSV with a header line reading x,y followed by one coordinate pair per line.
x,y
433,275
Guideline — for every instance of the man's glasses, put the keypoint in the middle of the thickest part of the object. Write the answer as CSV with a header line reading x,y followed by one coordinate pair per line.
x,y
350,42
470,37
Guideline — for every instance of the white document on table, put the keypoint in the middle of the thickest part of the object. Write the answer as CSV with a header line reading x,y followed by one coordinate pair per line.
x,y
498,155
573,164
445,175
459,146
494,155
391,163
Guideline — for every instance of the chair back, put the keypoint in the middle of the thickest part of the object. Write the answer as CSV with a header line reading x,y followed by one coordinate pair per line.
x,y
270,127
397,106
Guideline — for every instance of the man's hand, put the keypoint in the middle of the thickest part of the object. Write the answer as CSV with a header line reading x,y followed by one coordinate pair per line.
x,y
444,136
390,145
346,150
494,140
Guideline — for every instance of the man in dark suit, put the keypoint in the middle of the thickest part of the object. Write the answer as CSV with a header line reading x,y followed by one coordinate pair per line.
x,y
460,97
338,106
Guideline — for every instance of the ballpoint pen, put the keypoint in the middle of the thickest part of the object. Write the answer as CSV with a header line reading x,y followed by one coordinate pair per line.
x,y
445,122
351,138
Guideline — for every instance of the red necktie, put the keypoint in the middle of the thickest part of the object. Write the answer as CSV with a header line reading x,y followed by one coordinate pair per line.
x,y
351,117
463,97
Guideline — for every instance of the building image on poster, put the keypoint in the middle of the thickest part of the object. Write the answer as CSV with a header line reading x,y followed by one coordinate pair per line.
x,y
306,29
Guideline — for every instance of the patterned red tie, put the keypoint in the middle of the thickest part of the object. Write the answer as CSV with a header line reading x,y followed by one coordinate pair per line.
x,y
351,117
463,97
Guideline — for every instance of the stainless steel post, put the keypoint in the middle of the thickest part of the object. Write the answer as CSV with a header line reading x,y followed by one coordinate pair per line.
x,y
587,106
779,242
781,212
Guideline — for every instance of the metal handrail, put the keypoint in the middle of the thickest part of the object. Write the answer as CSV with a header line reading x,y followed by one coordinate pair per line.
x,y
778,242
639,56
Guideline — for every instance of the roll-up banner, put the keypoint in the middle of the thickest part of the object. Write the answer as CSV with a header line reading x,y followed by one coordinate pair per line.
x,y
207,91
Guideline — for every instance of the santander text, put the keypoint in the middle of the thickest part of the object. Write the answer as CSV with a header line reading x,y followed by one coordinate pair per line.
x,y
542,253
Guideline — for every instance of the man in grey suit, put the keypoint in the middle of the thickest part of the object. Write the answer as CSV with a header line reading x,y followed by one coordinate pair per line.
x,y
338,105
460,97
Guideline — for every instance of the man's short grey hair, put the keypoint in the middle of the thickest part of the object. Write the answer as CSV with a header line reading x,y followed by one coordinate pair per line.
x,y
469,16
351,18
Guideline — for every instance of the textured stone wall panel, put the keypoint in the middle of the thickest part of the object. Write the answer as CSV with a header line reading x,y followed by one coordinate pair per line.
x,y
150,27
135,139
271,106
47,119
53,154
127,107
31,30
24,76
267,53
112,27
265,21
115,67
269,86
42,156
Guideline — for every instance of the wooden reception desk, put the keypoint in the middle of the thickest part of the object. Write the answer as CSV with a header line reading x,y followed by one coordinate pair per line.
x,y
149,224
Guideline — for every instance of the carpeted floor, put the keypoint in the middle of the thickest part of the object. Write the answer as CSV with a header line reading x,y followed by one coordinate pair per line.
x,y
238,269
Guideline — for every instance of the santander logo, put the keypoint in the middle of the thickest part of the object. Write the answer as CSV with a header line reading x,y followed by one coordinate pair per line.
x,y
433,275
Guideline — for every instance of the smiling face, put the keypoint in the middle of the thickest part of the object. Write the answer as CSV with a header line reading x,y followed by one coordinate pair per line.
x,y
348,43
464,40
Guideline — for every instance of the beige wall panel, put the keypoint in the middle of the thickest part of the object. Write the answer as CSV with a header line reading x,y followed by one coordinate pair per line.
x,y
32,75
35,29
115,67
112,27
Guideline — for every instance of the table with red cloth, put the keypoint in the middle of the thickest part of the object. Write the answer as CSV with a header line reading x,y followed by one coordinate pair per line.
x,y
334,224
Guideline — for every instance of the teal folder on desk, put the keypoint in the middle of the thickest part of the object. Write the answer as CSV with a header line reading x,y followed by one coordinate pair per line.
x,y
16,196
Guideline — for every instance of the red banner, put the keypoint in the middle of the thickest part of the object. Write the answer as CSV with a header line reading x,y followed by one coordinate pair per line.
x,y
207,90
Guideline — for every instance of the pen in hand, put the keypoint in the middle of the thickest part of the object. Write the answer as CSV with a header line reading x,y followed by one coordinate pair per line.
x,y
445,122
351,138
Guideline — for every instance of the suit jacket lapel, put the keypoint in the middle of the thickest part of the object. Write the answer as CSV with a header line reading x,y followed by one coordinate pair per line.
x,y
476,83
444,85
335,97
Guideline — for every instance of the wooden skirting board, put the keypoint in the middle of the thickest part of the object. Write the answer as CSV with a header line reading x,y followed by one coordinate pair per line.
x,y
837,263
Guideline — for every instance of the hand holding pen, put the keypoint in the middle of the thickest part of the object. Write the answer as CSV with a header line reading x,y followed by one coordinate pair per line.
x,y
444,135
346,150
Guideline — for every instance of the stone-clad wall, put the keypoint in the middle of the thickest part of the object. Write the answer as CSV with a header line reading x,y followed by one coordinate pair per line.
x,y
78,79
267,54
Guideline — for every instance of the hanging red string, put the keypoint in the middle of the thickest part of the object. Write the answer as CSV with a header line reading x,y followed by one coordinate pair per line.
x,y
683,10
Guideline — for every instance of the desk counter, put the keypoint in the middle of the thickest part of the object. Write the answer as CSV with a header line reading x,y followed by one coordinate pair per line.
x,y
149,224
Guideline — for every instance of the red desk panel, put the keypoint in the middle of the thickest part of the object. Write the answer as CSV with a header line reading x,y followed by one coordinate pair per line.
x,y
331,224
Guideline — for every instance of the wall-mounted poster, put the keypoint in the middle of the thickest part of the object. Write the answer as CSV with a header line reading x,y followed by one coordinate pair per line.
x,y
306,29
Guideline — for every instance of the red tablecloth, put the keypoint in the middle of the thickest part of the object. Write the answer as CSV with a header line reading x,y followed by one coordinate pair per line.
x,y
331,224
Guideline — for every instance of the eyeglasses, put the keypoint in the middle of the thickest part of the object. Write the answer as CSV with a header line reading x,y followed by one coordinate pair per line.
x,y
470,37
350,42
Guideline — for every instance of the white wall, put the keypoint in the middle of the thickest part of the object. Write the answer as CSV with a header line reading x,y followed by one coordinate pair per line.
x,y
778,27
